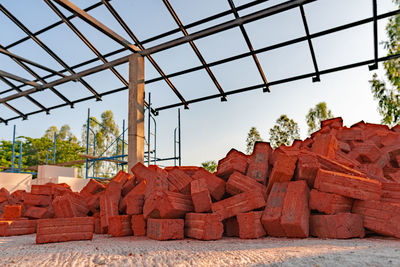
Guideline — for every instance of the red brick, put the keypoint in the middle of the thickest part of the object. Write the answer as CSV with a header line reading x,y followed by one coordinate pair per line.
x,y
17,197
203,226
70,205
366,152
344,147
64,229
391,193
271,218
239,183
108,208
396,128
342,225
37,200
134,204
93,202
307,168
381,217
128,186
97,226
295,212
167,205
138,225
35,212
250,225
259,162
165,229
283,169
240,203
140,189
180,180
141,172
4,194
329,203
353,134
17,227
200,196
334,123
12,211
234,161
216,186
326,145
119,225
347,185
92,187
42,190
332,165
231,227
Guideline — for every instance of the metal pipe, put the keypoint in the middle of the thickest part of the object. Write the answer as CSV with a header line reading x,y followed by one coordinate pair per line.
x,y
375,30
54,148
20,156
179,136
13,151
87,142
148,133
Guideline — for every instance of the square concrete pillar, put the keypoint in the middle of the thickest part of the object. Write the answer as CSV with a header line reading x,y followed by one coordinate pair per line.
x,y
136,111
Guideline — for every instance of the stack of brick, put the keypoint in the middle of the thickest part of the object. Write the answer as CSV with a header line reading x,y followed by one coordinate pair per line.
x,y
338,183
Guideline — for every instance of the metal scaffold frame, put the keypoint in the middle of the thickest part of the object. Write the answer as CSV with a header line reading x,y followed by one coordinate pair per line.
x,y
136,46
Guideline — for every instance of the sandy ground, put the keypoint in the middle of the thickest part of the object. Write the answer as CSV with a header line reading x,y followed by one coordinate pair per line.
x,y
134,251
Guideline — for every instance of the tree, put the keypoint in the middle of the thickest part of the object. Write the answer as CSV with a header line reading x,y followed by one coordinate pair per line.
x,y
252,137
284,132
103,136
64,133
210,165
317,114
388,96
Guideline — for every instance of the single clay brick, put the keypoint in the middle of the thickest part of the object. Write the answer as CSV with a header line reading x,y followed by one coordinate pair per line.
x,y
119,225
203,226
283,169
12,211
250,225
167,205
216,186
329,203
259,162
138,225
17,227
180,180
342,225
239,183
165,229
234,161
231,227
200,196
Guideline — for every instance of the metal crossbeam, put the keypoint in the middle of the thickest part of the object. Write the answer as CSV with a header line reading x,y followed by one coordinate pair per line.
x,y
250,46
96,24
310,45
195,49
115,14
45,47
375,15
17,78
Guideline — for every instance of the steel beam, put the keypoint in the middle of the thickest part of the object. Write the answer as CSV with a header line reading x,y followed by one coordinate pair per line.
x,y
96,24
250,46
5,74
375,15
310,45
195,49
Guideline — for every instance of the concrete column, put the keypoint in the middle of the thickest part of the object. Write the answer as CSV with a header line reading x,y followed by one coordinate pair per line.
x,y
136,111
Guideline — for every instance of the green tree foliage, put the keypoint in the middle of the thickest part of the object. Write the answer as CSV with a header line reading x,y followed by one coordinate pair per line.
x,y
317,114
63,134
210,165
284,132
388,94
252,137
103,136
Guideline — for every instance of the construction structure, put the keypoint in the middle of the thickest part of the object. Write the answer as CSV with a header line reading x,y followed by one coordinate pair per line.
x,y
138,52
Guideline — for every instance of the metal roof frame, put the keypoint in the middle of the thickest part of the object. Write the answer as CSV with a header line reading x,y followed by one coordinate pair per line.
x,y
68,73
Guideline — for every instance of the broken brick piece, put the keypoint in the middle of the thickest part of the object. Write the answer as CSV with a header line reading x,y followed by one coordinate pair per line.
x,y
64,229
167,205
307,168
134,204
203,226
283,169
165,229
138,225
271,218
347,185
200,196
329,203
295,212
35,212
326,145
4,194
17,227
234,161
231,227
250,225
259,162
119,225
37,200
216,186
240,203
180,180
12,212
239,183
342,225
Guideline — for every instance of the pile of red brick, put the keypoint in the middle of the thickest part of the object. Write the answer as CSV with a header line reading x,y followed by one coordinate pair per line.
x,y
338,183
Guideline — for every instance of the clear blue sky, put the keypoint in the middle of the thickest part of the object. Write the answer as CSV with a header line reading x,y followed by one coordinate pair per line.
x,y
209,129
